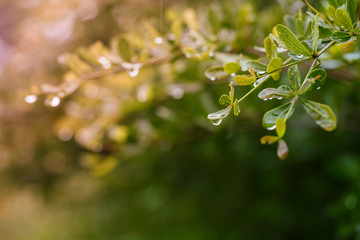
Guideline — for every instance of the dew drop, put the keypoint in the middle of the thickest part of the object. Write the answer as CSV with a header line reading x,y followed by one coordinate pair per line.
x,y
216,122
213,78
279,98
104,62
159,40
233,75
271,128
133,72
318,88
270,98
265,99
30,98
52,101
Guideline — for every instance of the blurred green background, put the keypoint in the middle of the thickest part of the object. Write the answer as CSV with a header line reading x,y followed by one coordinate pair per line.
x,y
177,177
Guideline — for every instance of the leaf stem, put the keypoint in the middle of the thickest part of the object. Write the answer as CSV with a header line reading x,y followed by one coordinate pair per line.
x,y
293,101
320,14
325,48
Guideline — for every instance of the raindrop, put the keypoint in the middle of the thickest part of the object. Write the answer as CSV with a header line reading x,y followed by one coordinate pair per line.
x,y
279,98
52,101
270,98
213,78
260,80
318,88
159,40
30,98
132,68
300,56
104,62
271,128
265,99
233,75
216,122
133,72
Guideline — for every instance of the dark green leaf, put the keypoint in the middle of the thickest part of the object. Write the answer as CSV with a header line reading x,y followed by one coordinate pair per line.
x,y
231,68
274,68
291,41
331,12
278,93
244,80
215,73
270,117
315,33
282,150
340,37
294,77
343,20
322,114
124,49
225,100
352,8
336,3
315,79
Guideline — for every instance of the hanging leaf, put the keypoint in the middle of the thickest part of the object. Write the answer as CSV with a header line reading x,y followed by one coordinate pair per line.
x,y
340,37
294,77
315,79
290,40
215,73
343,20
269,140
282,150
280,127
278,93
315,33
274,65
124,49
322,114
225,100
217,117
244,80
231,68
270,117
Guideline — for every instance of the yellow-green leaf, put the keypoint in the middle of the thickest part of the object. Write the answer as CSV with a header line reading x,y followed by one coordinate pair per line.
x,y
231,68
343,20
274,68
269,140
280,127
244,80
290,40
322,114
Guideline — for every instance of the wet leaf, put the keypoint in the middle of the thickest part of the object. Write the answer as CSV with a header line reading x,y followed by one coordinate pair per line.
x,y
315,80
217,117
322,114
347,43
336,3
282,150
315,33
124,49
340,37
256,65
244,80
215,73
343,20
280,127
294,77
270,48
279,93
352,8
275,64
270,117
231,68
269,140
225,100
331,12
290,40
236,107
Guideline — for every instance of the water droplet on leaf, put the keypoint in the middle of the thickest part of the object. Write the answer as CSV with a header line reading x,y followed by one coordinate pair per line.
x,y
30,98
271,128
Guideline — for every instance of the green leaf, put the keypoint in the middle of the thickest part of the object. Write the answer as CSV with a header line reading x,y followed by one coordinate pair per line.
x,y
236,107
231,68
343,20
279,93
225,100
347,43
280,127
215,73
270,117
296,56
217,117
290,40
256,65
331,12
336,3
322,114
275,64
340,37
270,48
213,20
294,77
124,49
269,140
352,8
282,150
315,79
315,33
244,80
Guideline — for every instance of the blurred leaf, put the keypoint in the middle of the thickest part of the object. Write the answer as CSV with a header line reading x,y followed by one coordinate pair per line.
x,y
315,79
336,3
270,117
215,73
352,8
315,33
282,150
124,49
275,63
279,93
347,43
256,65
225,100
236,107
213,20
343,20
270,48
331,12
244,80
294,77
291,41
217,117
231,68
340,37
190,18
280,127
322,114
269,140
